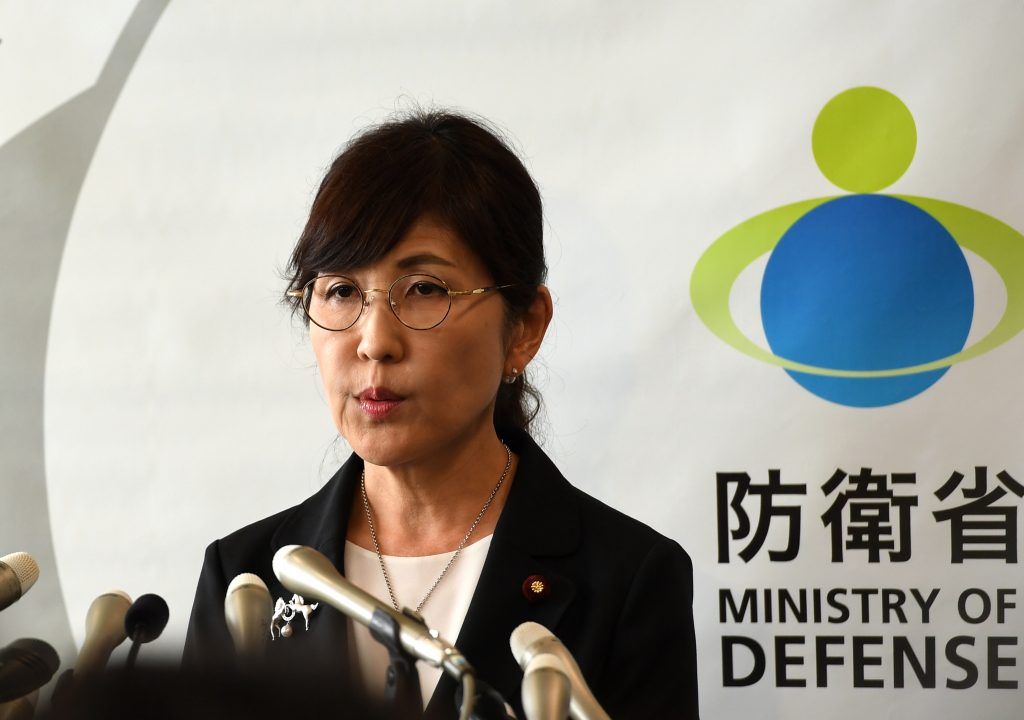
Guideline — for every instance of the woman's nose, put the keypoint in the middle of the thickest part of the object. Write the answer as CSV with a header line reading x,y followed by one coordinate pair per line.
x,y
381,334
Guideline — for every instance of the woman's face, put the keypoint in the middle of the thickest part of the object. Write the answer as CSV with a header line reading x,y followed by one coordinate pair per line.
x,y
399,395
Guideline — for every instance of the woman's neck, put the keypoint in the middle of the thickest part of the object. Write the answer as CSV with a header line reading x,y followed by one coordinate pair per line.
x,y
426,507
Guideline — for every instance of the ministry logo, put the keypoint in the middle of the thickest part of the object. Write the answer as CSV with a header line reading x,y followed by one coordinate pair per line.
x,y
867,299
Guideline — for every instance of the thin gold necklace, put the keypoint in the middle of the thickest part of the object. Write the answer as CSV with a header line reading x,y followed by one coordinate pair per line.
x,y
458,550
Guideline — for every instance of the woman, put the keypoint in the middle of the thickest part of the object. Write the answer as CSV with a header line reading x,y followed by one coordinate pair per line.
x,y
420,274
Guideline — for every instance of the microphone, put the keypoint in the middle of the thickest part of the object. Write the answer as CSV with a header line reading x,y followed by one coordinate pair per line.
x,y
143,623
146,618
26,665
248,610
308,572
24,708
18,573
546,691
531,640
104,631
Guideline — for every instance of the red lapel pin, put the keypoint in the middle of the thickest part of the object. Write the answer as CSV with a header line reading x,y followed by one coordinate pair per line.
x,y
536,587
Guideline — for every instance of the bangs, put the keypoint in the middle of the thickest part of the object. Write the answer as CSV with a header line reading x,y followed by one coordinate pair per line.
x,y
367,202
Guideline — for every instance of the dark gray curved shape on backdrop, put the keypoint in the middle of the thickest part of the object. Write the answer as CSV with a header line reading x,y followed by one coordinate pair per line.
x,y
42,170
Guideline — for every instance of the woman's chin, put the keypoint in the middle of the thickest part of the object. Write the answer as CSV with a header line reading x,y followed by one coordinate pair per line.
x,y
385,446
401,440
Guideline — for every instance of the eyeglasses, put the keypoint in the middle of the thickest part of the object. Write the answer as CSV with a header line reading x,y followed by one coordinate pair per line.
x,y
420,302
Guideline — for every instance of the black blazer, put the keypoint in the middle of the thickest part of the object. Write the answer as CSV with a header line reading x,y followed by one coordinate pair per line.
x,y
619,598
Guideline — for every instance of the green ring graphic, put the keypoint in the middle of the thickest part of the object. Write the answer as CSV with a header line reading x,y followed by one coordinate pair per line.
x,y
716,271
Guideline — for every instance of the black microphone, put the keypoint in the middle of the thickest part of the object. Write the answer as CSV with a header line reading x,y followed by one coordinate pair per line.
x,y
145,620
26,665
18,573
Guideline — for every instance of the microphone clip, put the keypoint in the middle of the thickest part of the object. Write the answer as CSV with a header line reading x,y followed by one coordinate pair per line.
x,y
402,683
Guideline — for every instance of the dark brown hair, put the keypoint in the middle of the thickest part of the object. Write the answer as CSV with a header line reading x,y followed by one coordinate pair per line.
x,y
460,172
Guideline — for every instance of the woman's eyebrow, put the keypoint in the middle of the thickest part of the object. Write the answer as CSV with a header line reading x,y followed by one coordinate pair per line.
x,y
423,259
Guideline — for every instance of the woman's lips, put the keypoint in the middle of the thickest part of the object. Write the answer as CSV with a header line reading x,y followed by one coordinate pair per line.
x,y
379,403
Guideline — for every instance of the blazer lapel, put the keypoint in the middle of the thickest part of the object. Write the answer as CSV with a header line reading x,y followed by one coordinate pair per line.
x,y
539,524
321,522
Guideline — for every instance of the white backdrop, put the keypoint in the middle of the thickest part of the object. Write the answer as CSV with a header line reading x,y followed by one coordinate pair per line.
x,y
181,401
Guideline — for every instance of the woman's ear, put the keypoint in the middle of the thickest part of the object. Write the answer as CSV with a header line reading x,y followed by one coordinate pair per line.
x,y
528,332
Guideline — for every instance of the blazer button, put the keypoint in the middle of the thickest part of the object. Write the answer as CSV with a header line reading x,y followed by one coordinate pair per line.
x,y
536,587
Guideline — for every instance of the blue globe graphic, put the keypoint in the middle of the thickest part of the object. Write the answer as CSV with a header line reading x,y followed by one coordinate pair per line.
x,y
866,282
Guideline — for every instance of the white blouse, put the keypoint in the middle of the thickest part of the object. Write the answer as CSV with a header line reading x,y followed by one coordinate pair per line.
x,y
411,577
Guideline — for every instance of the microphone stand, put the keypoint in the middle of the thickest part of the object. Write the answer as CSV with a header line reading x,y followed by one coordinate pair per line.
x,y
490,705
133,653
402,686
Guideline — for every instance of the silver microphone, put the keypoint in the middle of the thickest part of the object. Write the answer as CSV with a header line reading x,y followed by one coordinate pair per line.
x,y
248,610
18,573
531,640
309,573
546,690
104,631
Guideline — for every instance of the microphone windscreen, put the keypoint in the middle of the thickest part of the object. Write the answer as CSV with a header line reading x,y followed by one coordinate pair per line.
x,y
24,567
246,579
146,618
524,636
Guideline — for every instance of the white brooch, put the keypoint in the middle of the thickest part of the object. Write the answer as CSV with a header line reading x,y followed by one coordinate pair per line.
x,y
285,612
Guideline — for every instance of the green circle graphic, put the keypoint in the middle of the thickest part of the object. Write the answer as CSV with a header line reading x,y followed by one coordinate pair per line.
x,y
864,139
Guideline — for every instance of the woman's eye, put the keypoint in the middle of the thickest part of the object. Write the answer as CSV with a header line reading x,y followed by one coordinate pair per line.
x,y
341,291
426,289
